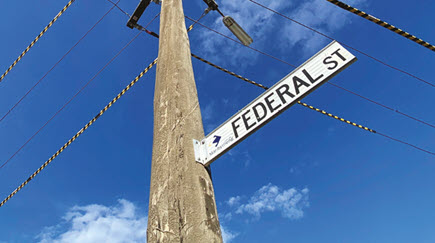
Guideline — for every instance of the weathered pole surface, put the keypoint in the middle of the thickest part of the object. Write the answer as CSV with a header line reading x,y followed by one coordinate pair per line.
x,y
182,207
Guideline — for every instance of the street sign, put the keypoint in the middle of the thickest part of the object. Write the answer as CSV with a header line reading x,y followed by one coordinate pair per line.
x,y
303,80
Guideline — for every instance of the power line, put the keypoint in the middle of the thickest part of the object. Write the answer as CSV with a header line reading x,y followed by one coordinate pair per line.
x,y
252,48
206,11
266,88
331,83
361,52
139,27
51,69
406,143
75,95
313,108
383,24
89,123
384,106
36,39
116,5
304,104
78,133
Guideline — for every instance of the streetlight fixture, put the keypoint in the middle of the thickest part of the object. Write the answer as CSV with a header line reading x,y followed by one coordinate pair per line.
x,y
231,24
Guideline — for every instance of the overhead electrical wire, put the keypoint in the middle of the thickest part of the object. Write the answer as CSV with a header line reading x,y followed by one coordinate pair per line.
x,y
116,5
51,69
197,21
316,109
139,27
361,52
36,39
331,83
78,134
73,97
299,102
384,106
313,108
206,11
132,83
252,48
264,87
89,123
382,23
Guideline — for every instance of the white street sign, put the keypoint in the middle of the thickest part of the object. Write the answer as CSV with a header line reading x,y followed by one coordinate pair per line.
x,y
293,87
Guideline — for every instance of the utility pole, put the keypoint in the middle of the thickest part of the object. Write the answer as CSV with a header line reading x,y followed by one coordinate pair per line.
x,y
182,206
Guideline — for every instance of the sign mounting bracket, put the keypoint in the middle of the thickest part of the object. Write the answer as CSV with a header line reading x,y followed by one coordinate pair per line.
x,y
200,151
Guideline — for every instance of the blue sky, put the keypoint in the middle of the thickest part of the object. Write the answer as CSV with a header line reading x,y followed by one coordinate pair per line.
x,y
302,178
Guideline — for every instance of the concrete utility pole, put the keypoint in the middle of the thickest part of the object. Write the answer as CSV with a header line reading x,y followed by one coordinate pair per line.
x,y
182,207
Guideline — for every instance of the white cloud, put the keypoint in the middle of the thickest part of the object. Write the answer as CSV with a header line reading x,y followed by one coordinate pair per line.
x,y
227,235
208,116
98,223
247,159
236,154
225,217
254,20
233,201
208,111
270,198
267,28
317,14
